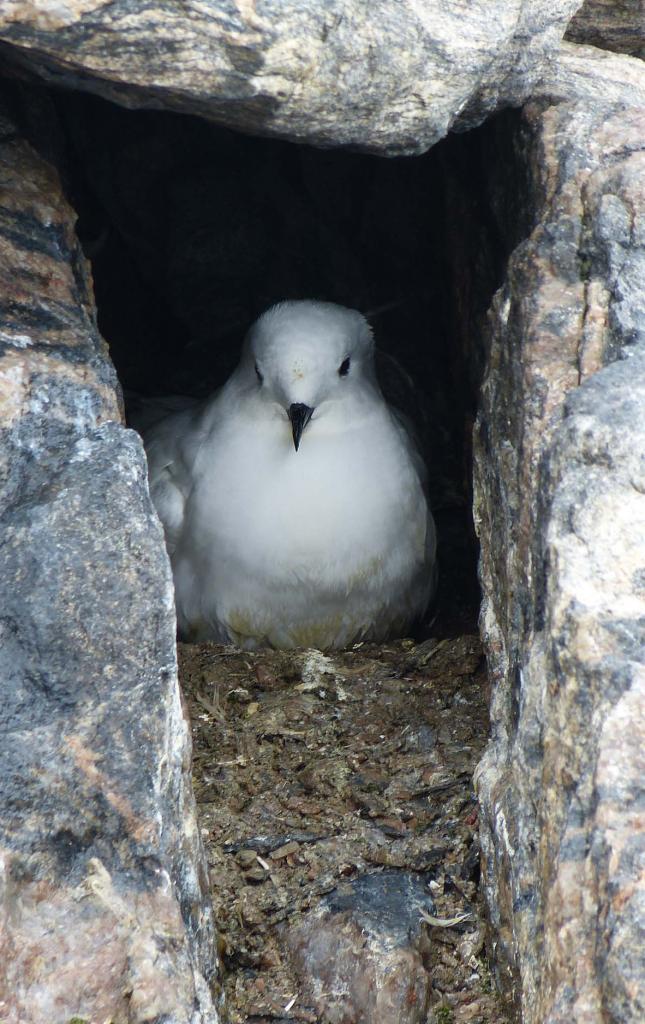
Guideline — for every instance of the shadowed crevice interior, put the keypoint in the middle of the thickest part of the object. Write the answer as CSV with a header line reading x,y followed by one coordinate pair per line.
x,y
193,230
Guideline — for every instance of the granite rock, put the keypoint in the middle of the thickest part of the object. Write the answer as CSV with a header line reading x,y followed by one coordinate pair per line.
x,y
617,25
362,954
389,76
598,76
105,913
560,511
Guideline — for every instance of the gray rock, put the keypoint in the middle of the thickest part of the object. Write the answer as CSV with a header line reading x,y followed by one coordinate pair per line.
x,y
388,76
577,71
105,912
362,952
617,25
560,511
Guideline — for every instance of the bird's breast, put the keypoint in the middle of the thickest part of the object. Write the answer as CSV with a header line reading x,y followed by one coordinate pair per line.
x,y
340,500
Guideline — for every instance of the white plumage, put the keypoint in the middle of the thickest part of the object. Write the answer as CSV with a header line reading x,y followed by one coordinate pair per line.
x,y
292,500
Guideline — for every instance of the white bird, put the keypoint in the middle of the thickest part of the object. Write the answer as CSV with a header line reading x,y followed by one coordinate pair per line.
x,y
293,500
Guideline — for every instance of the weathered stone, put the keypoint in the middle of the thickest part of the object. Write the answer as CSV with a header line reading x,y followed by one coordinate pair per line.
x,y
387,76
361,953
560,510
577,71
617,25
105,914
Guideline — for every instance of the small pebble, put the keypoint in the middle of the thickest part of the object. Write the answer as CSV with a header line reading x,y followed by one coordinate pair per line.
x,y
256,875
246,858
285,851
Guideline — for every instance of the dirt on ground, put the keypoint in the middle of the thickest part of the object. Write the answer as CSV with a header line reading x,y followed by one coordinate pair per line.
x,y
312,771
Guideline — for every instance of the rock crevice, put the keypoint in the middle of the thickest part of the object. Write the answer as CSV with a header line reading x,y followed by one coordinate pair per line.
x,y
99,843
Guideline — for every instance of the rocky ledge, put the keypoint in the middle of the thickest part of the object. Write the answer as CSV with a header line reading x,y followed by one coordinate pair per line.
x,y
387,76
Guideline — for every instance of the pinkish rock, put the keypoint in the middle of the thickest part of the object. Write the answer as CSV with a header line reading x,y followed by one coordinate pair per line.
x,y
105,913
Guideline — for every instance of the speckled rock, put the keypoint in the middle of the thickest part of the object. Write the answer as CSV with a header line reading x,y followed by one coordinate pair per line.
x,y
103,908
386,76
361,953
560,511
598,76
617,25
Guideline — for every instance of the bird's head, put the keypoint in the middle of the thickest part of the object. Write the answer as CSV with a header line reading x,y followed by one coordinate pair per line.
x,y
311,359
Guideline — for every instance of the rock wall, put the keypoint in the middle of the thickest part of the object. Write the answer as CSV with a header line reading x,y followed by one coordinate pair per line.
x,y
389,76
560,511
104,908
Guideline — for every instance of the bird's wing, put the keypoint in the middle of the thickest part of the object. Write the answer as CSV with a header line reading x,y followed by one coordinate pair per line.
x,y
411,443
171,446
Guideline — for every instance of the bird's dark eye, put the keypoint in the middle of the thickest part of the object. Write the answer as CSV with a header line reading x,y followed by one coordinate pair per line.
x,y
259,376
343,369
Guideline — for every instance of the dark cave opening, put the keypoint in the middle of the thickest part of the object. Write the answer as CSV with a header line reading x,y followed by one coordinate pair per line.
x,y
193,230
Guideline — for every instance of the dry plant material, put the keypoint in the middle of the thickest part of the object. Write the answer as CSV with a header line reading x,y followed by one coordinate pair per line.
x,y
312,771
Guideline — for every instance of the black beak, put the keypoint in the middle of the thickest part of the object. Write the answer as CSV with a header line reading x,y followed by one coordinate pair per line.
x,y
299,415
